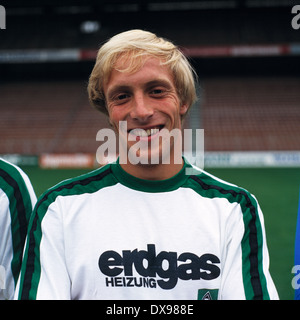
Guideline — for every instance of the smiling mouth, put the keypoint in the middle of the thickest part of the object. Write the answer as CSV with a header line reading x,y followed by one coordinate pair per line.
x,y
139,132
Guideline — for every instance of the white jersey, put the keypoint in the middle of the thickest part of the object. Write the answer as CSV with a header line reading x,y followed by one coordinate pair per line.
x,y
17,199
109,235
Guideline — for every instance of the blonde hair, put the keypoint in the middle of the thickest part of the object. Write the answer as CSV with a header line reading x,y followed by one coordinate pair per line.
x,y
134,45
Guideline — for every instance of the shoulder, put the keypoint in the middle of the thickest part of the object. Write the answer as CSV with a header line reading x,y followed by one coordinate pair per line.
x,y
12,173
14,178
210,186
241,203
85,184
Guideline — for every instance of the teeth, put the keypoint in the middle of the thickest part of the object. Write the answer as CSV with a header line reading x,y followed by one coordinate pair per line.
x,y
144,133
152,131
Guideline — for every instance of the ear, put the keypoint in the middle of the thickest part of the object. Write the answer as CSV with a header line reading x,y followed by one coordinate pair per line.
x,y
183,109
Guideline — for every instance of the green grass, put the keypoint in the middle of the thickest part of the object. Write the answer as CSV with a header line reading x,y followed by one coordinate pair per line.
x,y
277,191
43,179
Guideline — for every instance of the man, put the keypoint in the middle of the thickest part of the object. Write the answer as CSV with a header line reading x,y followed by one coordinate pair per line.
x,y
17,199
143,230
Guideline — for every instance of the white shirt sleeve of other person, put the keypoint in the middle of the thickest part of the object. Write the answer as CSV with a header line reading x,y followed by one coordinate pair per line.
x,y
17,199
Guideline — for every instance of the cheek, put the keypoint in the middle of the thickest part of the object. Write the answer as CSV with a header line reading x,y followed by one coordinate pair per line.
x,y
115,116
114,123
173,113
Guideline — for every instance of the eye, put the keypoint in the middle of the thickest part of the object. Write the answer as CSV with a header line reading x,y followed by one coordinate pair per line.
x,y
157,92
122,96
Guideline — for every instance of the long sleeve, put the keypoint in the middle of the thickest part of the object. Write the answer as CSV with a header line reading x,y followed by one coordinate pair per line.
x,y
246,269
44,274
17,199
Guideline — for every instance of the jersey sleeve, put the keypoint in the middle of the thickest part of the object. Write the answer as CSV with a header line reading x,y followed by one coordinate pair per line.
x,y
246,269
44,274
17,199
32,196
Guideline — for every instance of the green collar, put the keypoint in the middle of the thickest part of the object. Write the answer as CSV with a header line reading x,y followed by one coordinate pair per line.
x,y
166,185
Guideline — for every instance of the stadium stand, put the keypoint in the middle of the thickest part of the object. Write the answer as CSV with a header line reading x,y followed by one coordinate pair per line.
x,y
237,113
40,117
251,113
44,106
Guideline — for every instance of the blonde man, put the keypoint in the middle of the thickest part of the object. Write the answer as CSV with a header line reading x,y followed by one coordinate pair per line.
x,y
145,230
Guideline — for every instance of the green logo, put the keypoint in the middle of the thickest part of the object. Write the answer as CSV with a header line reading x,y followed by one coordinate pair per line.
x,y
208,294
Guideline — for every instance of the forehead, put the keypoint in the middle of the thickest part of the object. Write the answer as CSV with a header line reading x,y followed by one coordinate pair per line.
x,y
142,69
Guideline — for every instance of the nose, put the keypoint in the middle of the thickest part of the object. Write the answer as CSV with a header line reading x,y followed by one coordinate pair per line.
x,y
141,110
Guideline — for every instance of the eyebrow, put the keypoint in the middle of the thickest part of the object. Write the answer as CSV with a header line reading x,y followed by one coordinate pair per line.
x,y
159,82
118,88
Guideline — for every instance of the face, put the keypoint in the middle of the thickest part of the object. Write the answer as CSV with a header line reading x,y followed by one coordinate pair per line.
x,y
147,102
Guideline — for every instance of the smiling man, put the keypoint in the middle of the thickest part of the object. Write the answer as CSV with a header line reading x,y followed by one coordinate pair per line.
x,y
148,102
145,229
147,83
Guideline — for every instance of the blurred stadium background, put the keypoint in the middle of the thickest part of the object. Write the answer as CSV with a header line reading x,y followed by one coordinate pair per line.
x,y
247,56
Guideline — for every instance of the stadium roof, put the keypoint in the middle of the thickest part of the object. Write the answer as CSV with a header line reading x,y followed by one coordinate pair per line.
x,y
37,7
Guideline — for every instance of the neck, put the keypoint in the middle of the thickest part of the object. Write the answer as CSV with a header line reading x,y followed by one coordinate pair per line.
x,y
152,171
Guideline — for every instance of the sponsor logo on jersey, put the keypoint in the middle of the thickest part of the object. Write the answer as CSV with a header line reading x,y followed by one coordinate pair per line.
x,y
208,294
161,269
